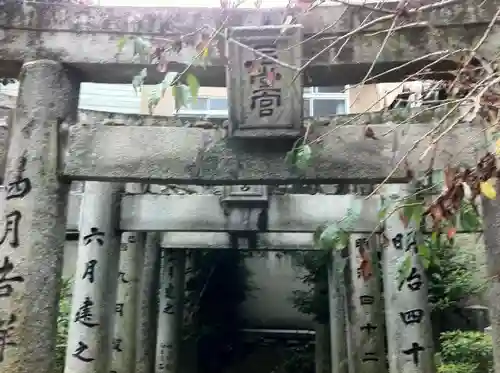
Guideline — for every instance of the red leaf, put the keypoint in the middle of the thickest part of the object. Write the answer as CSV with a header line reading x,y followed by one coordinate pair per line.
x,y
451,232
270,78
403,219
449,176
366,269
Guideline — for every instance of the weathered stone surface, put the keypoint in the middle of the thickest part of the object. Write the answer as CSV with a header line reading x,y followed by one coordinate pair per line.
x,y
407,310
219,240
96,281
339,343
131,253
204,213
148,305
366,321
170,312
341,152
86,38
31,249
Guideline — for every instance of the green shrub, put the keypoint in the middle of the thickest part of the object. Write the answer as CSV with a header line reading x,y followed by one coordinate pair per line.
x,y
63,324
465,348
452,275
457,368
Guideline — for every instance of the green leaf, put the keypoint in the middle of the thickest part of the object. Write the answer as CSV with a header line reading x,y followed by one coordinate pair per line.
x,y
469,220
329,238
179,96
404,270
141,49
436,276
418,212
424,253
138,80
194,86
382,213
121,43
353,213
303,157
412,210
317,235
290,157
153,101
435,238
343,240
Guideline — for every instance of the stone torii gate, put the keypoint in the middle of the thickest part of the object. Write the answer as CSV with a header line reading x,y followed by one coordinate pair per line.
x,y
56,47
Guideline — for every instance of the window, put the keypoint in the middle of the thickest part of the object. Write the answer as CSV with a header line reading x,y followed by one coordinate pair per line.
x,y
322,108
211,106
325,101
332,89
318,101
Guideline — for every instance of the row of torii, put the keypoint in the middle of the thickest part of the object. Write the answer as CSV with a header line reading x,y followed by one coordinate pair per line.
x,y
110,320
106,305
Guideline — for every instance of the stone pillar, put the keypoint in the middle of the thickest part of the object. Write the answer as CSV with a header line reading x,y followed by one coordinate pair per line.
x,y
148,305
407,311
322,332
34,218
170,314
491,218
94,289
322,348
189,304
338,336
367,316
131,253
189,351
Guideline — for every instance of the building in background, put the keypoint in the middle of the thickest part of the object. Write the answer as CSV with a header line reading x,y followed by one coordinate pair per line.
x,y
318,101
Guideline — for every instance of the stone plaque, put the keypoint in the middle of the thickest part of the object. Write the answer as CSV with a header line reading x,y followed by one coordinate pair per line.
x,y
263,101
246,194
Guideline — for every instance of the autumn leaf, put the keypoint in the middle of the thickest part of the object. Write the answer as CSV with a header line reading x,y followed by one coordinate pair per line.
x,y
366,269
449,176
270,78
403,219
487,189
451,232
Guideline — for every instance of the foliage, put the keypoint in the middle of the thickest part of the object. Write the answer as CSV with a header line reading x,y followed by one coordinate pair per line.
x,y
155,52
451,275
330,239
63,324
311,302
457,368
219,285
412,210
466,350
298,359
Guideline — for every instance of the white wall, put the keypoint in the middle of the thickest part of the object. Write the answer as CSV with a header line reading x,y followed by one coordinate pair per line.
x,y
267,307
